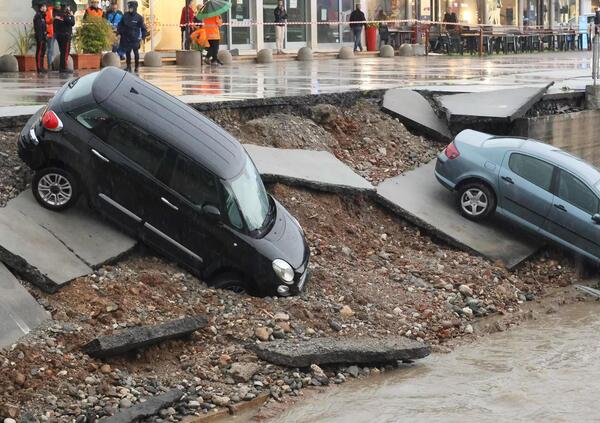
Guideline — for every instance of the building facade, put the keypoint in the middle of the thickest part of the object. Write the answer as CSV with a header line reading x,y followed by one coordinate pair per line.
x,y
247,34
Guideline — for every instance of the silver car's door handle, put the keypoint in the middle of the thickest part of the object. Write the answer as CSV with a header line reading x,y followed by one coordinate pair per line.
x,y
508,179
168,203
100,156
560,207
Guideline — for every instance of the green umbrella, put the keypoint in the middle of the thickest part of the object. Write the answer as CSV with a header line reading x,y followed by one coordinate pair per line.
x,y
213,8
65,3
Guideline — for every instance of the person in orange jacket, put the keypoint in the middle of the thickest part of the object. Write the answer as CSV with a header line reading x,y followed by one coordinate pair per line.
x,y
212,26
50,32
94,10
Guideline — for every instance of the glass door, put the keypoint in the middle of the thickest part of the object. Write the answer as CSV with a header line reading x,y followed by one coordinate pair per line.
x,y
327,11
296,34
269,16
240,30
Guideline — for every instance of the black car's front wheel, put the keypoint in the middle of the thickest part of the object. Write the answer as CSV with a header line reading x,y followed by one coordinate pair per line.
x,y
55,188
476,201
231,282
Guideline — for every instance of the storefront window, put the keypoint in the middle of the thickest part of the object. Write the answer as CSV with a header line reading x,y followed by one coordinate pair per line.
x,y
347,8
530,13
268,16
501,12
240,17
328,10
296,13
565,11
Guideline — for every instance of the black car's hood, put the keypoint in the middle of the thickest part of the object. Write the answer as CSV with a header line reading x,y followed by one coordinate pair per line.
x,y
287,238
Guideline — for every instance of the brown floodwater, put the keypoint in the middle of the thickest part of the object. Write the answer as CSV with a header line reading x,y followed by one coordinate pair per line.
x,y
546,370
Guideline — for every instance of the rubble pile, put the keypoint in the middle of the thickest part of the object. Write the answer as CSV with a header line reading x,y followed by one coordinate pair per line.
x,y
14,175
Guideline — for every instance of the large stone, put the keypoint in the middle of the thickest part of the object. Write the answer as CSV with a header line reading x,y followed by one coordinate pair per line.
x,y
145,409
592,96
225,57
8,63
243,372
359,350
387,51
418,49
153,59
313,169
499,105
305,54
414,110
56,62
346,53
111,59
19,311
419,198
49,248
264,56
405,50
142,336
188,58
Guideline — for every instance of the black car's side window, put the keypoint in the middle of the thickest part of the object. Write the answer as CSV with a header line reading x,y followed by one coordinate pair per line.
x,y
193,182
573,191
536,171
97,121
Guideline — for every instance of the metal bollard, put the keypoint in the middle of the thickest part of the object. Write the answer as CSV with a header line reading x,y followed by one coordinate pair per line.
x,y
595,57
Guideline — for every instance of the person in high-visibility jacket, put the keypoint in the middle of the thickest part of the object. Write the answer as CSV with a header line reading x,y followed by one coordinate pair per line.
x,y
212,26
199,38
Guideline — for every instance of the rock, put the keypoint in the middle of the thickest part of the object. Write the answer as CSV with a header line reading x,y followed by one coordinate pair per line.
x,y
467,311
317,371
106,369
469,329
281,317
263,333
284,326
305,54
465,290
346,312
225,57
294,353
387,51
220,401
148,408
111,59
335,325
10,410
353,370
143,336
153,59
243,372
397,311
188,58
224,360
20,379
324,114
112,307
346,53
405,50
8,63
264,56
9,420
125,403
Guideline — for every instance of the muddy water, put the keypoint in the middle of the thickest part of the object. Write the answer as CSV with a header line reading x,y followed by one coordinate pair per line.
x,y
547,370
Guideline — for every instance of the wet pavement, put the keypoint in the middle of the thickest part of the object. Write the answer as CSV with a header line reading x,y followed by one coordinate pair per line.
x,y
544,371
244,80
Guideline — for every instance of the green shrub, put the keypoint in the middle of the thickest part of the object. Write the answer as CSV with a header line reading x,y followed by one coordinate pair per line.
x,y
24,40
94,35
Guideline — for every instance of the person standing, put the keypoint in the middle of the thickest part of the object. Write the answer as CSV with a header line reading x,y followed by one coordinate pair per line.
x,y
358,17
114,17
64,21
185,22
212,26
451,18
50,33
132,30
280,19
94,10
41,37
597,21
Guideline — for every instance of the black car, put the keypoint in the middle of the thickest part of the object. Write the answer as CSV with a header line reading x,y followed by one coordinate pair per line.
x,y
168,175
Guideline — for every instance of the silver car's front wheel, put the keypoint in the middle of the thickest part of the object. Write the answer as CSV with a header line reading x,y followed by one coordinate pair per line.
x,y
476,200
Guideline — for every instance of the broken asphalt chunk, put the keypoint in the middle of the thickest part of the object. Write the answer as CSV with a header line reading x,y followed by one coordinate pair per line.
x,y
363,350
149,408
142,336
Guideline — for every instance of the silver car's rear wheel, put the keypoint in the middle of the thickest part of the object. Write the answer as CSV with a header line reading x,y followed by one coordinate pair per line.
x,y
55,188
476,200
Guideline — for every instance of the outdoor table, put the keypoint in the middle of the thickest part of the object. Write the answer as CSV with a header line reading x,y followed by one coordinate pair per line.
x,y
400,36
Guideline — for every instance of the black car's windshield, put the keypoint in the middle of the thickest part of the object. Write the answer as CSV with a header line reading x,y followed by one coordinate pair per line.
x,y
251,197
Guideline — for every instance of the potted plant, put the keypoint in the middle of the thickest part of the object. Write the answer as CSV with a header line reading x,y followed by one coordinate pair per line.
x,y
24,40
371,35
91,38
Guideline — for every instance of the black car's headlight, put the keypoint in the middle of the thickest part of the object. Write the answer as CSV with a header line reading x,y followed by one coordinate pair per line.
x,y
284,271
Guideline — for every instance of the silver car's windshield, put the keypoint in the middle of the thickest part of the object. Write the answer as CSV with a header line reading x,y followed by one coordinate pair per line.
x,y
251,196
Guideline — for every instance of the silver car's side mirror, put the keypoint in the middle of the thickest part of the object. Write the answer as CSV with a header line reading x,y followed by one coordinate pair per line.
x,y
596,218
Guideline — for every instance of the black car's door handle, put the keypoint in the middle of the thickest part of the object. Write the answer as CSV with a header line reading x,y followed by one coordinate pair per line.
x,y
560,207
508,179
100,156
168,203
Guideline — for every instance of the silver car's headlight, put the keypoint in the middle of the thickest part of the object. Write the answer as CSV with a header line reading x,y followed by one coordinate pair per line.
x,y
284,271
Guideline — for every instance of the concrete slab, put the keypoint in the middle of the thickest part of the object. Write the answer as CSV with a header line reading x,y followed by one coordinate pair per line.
x,y
19,311
419,198
50,249
314,169
413,109
504,105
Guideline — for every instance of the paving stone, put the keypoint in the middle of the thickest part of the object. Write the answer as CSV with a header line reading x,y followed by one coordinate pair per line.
x,y
418,197
19,311
145,409
142,336
314,169
413,109
363,350
505,105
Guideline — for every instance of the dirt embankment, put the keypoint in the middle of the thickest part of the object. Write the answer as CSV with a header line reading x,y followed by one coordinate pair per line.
x,y
375,275
14,175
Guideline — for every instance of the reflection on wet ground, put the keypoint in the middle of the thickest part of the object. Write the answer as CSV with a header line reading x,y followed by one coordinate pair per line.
x,y
544,371
244,80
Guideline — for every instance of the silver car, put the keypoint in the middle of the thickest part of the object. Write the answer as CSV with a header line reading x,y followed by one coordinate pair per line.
x,y
536,185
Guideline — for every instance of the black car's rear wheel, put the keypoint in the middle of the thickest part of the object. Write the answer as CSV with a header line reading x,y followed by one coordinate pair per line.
x,y
231,282
55,188
476,201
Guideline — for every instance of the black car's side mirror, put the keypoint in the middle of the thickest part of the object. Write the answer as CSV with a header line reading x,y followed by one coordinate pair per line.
x,y
596,218
211,211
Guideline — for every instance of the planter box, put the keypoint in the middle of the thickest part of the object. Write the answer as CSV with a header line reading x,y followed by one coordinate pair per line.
x,y
371,35
86,61
26,63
